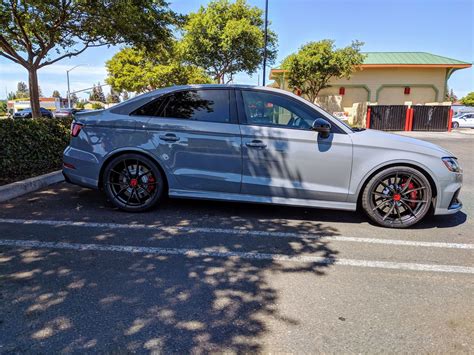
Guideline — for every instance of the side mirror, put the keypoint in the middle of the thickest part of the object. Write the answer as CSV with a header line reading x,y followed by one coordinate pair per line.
x,y
322,126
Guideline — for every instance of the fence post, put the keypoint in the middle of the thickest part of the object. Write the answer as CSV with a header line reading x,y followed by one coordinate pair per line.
x,y
367,120
407,119
410,120
450,119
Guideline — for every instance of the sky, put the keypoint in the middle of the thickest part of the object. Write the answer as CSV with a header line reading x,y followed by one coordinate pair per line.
x,y
443,27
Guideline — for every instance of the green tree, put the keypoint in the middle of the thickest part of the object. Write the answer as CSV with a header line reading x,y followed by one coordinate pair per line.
x,y
139,70
11,96
97,106
81,105
21,90
74,99
468,100
316,63
226,38
3,107
56,94
125,96
112,97
37,33
97,93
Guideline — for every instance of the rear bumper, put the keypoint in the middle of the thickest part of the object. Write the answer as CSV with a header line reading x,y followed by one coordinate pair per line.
x,y
81,168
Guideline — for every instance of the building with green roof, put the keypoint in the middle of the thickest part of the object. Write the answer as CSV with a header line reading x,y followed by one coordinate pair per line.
x,y
386,78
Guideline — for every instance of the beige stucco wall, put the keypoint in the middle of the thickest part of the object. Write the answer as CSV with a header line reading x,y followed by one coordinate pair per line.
x,y
386,86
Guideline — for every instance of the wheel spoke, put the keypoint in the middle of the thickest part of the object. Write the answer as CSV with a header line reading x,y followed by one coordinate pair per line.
x,y
409,208
407,183
413,201
380,204
398,213
387,186
116,172
389,212
130,196
126,169
416,189
380,194
118,193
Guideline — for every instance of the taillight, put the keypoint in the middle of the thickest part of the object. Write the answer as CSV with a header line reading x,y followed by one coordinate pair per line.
x,y
75,128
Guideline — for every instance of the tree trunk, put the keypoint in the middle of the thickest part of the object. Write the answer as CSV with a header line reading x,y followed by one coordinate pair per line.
x,y
34,92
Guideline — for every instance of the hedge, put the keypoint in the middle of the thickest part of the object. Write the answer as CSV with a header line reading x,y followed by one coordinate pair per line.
x,y
31,147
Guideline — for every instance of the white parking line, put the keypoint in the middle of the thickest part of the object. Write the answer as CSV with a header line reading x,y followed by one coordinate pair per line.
x,y
242,232
236,254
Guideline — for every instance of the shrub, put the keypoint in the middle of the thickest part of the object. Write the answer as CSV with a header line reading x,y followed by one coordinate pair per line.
x,y
97,106
31,147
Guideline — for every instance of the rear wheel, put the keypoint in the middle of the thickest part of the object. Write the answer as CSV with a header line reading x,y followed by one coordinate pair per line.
x,y
455,125
397,197
133,182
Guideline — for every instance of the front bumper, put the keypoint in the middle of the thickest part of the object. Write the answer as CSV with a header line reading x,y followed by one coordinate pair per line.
x,y
448,201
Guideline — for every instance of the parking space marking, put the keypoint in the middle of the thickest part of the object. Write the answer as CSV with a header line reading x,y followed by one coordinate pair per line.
x,y
241,232
35,244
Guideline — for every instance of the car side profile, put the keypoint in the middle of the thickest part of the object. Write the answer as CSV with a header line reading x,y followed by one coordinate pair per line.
x,y
465,120
258,145
27,113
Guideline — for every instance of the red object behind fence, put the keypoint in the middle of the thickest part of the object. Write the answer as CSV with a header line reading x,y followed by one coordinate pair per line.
x,y
450,120
407,119
367,120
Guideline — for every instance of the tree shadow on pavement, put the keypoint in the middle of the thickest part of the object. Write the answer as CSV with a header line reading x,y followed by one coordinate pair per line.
x,y
76,301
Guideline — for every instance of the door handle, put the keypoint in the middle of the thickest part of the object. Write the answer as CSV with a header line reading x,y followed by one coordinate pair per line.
x,y
256,144
169,137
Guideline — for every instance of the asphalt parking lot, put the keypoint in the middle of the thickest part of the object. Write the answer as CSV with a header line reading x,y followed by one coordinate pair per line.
x,y
193,276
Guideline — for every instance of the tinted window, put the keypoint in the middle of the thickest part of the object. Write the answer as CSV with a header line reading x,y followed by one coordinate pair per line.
x,y
275,110
199,105
151,108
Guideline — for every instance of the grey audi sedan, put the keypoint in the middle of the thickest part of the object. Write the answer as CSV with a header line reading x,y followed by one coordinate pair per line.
x,y
258,145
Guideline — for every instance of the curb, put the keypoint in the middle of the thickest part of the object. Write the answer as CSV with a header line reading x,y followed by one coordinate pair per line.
x,y
19,188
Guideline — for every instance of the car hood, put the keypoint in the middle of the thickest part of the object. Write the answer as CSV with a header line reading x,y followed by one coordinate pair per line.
x,y
391,141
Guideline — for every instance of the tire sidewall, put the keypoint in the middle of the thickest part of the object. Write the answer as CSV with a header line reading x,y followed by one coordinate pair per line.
x,y
375,179
154,168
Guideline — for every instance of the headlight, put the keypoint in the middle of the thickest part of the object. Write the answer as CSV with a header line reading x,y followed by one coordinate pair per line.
x,y
452,164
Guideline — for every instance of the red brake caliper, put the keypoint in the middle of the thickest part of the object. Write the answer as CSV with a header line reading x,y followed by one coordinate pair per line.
x,y
151,184
413,194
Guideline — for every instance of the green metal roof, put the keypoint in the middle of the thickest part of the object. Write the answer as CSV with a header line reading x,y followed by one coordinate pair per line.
x,y
408,58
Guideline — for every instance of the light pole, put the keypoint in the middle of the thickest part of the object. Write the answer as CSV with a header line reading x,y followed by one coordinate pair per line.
x,y
266,40
68,89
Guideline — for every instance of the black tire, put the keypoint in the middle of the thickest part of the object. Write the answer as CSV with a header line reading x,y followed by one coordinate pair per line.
x,y
455,125
397,197
133,182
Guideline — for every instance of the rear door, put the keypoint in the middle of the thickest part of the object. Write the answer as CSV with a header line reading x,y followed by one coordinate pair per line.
x,y
282,155
196,137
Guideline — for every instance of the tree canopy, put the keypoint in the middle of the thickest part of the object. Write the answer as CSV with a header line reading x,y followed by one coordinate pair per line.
x,y
97,93
21,90
316,63
56,94
468,100
141,70
37,33
226,38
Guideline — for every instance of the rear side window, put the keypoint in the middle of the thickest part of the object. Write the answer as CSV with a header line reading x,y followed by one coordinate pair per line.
x,y
151,108
198,105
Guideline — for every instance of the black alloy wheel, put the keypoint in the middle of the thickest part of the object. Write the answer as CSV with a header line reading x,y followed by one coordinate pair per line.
x,y
397,197
133,182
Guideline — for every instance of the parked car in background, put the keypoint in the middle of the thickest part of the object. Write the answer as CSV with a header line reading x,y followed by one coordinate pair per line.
x,y
26,113
466,120
260,145
66,112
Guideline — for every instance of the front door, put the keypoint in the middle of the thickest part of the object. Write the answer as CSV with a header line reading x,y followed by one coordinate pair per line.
x,y
197,139
283,157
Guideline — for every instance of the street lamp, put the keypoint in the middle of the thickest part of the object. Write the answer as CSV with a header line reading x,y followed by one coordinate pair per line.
x,y
68,89
266,40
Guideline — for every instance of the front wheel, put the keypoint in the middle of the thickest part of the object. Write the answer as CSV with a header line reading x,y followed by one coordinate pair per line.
x,y
455,125
397,197
133,182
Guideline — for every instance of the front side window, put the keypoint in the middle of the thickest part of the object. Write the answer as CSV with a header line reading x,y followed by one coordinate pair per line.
x,y
199,105
275,110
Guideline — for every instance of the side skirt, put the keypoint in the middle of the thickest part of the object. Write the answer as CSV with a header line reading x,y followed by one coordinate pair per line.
x,y
221,196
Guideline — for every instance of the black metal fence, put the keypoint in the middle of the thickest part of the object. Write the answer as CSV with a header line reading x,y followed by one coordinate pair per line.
x,y
388,117
430,118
